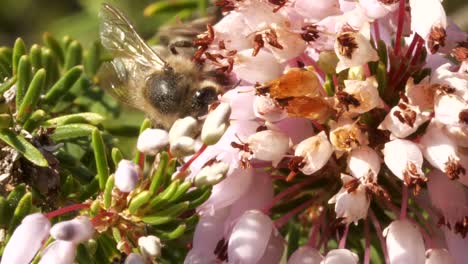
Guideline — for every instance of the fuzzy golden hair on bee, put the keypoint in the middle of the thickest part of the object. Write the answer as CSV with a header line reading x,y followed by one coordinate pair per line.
x,y
164,84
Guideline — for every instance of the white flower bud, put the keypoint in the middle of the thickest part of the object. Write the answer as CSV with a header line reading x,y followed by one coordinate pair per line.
x,y
187,126
182,147
404,243
150,246
151,141
211,174
305,255
439,256
216,123
364,162
134,258
59,252
404,159
346,135
126,176
26,239
268,145
352,205
341,256
316,151
77,230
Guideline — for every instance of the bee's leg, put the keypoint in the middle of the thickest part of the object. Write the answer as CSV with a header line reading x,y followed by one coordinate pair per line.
x,y
179,44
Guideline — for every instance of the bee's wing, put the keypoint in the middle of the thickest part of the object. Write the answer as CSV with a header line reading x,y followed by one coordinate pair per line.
x,y
118,35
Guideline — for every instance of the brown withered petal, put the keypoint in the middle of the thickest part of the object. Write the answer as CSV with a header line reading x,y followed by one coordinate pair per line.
x,y
296,82
315,108
436,39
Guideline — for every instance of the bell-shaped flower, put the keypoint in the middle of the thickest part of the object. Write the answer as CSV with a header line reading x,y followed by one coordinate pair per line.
x,y
134,258
241,100
441,151
351,203
429,21
404,243
439,256
364,163
340,256
260,68
59,252
403,120
375,9
77,230
250,237
456,245
183,127
233,31
275,249
268,145
451,109
317,10
404,159
353,49
346,135
26,240
126,176
151,141
292,45
216,123
358,96
211,174
456,82
315,151
422,94
183,146
150,246
305,255
268,109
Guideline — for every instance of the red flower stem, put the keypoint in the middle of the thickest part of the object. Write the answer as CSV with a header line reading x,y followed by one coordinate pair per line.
x,y
309,61
344,237
313,239
367,71
401,20
378,231
404,202
418,51
285,218
66,209
141,160
294,189
368,238
413,43
191,160
376,27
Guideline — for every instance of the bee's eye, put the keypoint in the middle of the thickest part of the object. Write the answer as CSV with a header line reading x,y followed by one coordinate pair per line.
x,y
202,98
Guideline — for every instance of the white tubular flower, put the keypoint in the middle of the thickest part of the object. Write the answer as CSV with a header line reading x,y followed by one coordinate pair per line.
x,y
404,243
353,49
403,120
292,44
404,159
261,68
375,9
268,145
77,230
26,239
428,19
216,123
421,94
134,258
364,162
351,204
345,135
341,256
250,237
305,255
359,97
126,176
211,174
268,109
441,151
151,141
187,126
316,152
59,252
150,246
457,81
183,146
439,256
451,109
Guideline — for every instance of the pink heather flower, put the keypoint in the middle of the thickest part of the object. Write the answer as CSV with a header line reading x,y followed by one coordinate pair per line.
x,y
241,100
151,141
364,92
375,9
346,135
183,127
353,49
126,176
59,252
458,81
183,146
211,174
233,30
404,243
364,163
260,68
268,109
77,230
134,258
216,123
316,151
297,129
439,256
456,245
26,240
352,205
403,120
250,238
420,95
340,256
305,255
428,19
268,145
317,10
404,159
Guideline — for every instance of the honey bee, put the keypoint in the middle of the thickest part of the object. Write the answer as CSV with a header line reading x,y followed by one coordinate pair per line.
x,y
163,84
